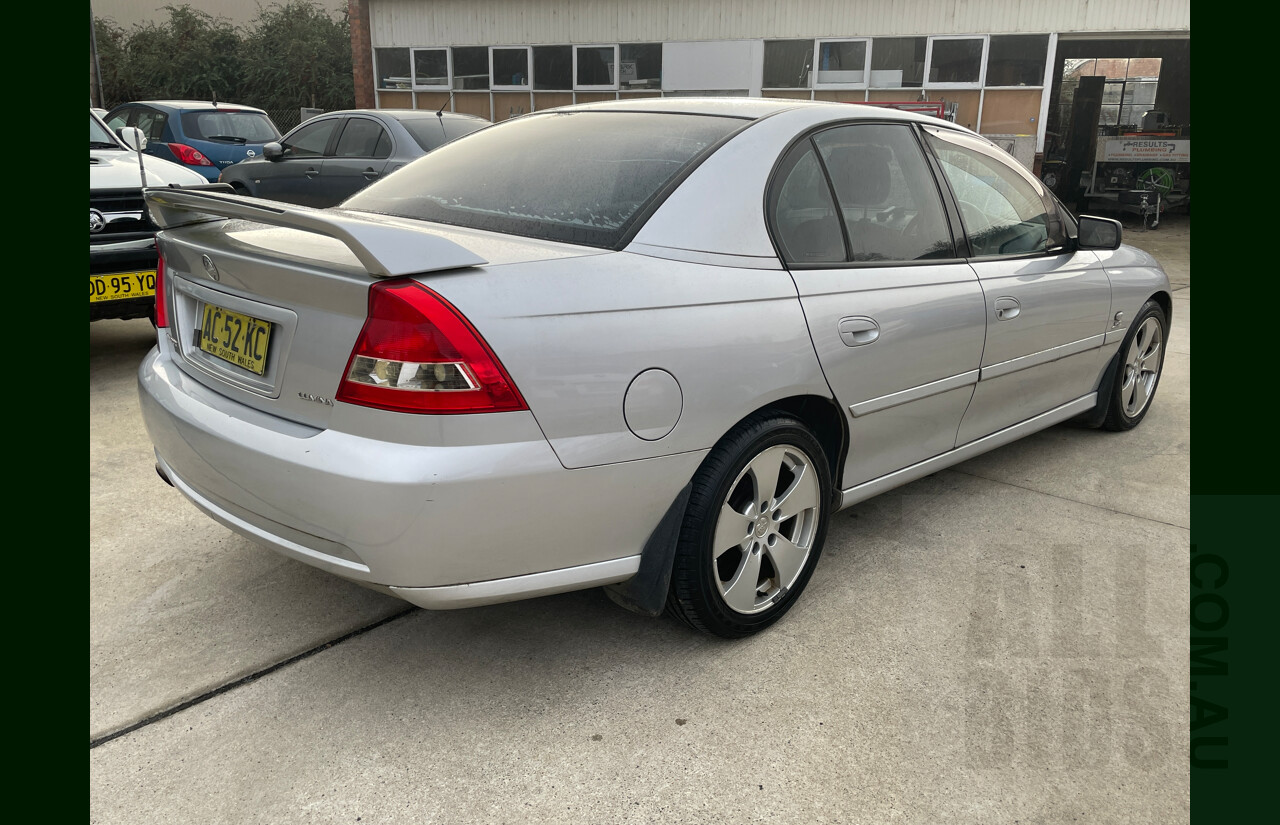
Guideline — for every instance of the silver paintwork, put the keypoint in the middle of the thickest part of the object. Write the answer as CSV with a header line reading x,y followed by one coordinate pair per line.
x,y
698,317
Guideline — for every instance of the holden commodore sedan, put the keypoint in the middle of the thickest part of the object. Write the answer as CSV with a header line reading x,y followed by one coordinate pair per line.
x,y
648,345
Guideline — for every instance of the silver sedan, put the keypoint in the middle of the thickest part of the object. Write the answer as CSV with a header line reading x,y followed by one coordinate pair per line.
x,y
649,345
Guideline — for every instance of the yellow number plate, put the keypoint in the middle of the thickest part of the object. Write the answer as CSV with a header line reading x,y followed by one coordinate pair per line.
x,y
237,339
121,285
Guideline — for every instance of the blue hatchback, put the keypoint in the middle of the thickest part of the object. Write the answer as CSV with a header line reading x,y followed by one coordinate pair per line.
x,y
205,137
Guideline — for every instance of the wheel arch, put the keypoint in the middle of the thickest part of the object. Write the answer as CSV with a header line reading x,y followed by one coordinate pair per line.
x,y
646,592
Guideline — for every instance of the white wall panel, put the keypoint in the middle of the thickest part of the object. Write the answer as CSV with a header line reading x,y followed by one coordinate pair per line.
x,y
496,22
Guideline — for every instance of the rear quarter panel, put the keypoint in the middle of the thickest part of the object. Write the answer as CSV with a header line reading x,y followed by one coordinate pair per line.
x,y
574,334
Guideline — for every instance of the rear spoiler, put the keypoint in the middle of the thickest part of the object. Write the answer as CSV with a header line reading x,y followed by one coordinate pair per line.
x,y
386,247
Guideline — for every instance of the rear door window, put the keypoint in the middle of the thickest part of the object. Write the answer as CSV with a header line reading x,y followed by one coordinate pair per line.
x,y
363,138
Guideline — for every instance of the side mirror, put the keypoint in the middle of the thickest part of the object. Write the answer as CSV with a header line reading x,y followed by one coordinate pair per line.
x,y
272,151
1099,233
133,138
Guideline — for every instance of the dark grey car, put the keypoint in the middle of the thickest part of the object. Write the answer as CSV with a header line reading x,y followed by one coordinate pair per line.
x,y
328,158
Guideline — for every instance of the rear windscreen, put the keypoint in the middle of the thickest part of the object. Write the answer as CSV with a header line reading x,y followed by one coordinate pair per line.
x,y
229,127
578,177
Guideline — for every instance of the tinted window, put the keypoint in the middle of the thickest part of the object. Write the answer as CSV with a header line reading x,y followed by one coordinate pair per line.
x,y
118,120
888,199
553,67
580,177
151,123
1003,208
310,140
229,127
361,139
803,213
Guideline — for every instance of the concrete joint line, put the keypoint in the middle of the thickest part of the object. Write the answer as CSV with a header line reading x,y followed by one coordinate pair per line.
x,y
244,680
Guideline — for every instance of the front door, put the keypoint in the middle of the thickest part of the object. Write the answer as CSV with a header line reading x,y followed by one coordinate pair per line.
x,y
1047,304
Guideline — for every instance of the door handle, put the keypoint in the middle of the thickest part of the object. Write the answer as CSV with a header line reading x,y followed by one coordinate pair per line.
x,y
1007,308
858,330
312,172
370,173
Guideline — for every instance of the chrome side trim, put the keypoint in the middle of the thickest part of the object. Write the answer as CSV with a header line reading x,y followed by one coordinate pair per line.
x,y
867,489
1115,335
693,256
1042,357
495,591
884,402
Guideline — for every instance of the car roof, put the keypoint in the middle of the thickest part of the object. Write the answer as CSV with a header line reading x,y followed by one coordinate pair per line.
x,y
195,105
752,108
402,114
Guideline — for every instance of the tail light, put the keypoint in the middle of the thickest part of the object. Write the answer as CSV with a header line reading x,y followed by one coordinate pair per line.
x,y
418,354
189,155
162,296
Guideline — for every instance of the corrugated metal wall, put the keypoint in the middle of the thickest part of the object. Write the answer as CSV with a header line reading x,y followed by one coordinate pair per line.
x,y
497,22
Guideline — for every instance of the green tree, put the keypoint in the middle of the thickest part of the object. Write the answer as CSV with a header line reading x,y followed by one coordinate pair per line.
x,y
112,43
191,55
297,55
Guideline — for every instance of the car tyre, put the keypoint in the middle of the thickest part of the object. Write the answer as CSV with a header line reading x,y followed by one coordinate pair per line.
x,y
739,566
1138,367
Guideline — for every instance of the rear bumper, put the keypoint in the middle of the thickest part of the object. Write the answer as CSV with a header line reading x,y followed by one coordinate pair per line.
x,y
124,256
439,526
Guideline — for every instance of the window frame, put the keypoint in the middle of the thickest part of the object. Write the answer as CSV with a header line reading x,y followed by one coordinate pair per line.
x,y
453,70
596,87
413,69
377,71
982,62
1046,64
815,83
527,86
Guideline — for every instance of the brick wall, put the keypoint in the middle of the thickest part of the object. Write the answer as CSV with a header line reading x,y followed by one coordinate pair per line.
x,y
361,53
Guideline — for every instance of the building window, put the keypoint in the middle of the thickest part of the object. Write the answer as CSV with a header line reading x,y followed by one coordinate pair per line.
x,y
898,62
470,67
595,67
956,62
787,64
431,69
392,68
509,67
842,63
1017,59
640,66
553,68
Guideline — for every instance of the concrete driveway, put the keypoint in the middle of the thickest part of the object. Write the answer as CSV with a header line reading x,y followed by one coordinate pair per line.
x,y
1002,642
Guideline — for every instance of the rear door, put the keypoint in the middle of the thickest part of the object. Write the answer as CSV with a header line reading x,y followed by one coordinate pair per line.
x,y
896,316
294,178
360,158
1046,303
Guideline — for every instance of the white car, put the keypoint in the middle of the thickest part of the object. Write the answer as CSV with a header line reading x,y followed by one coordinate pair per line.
x,y
122,250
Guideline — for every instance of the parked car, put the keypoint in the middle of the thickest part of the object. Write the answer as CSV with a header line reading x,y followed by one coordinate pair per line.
x,y
122,248
332,156
204,136
648,344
